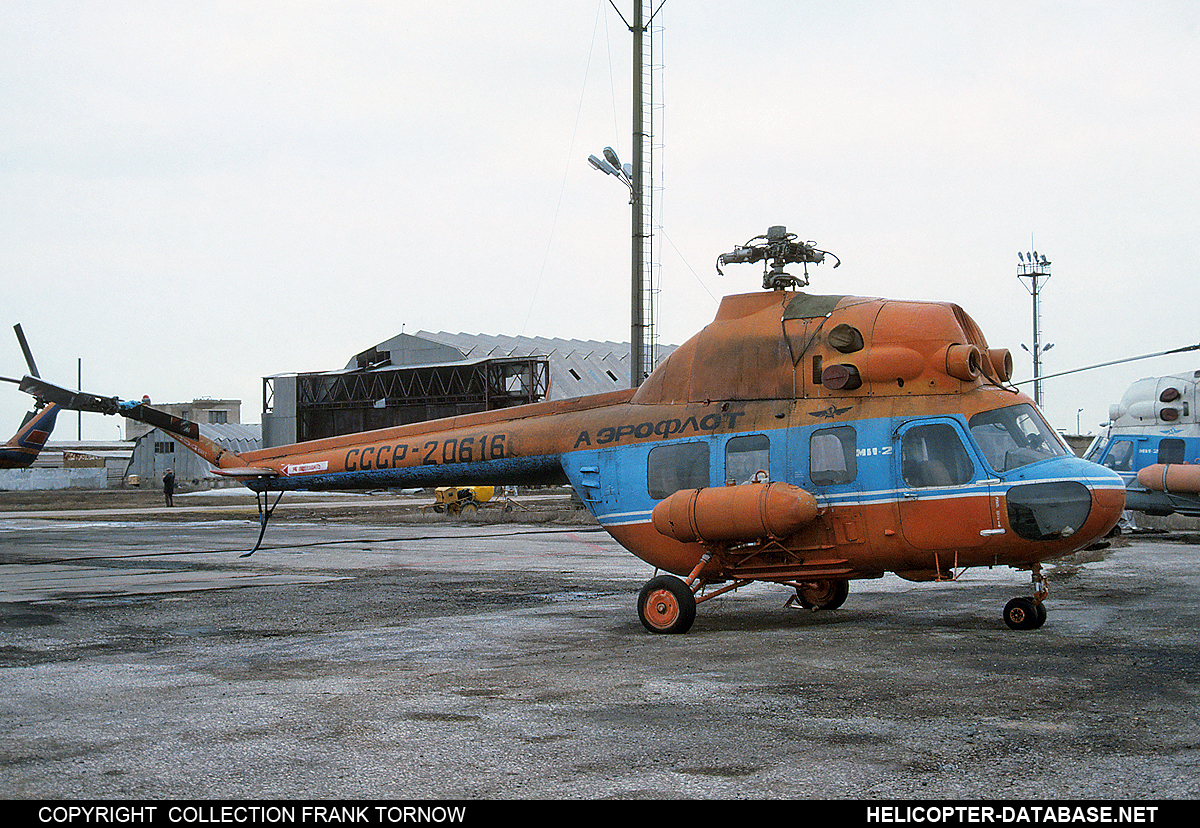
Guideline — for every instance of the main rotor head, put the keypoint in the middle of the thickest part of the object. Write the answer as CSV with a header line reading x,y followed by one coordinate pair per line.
x,y
777,249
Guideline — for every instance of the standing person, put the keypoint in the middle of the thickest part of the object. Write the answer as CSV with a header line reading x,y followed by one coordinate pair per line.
x,y
169,487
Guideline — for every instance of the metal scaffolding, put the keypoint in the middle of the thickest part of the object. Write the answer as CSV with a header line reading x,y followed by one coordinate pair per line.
x,y
330,404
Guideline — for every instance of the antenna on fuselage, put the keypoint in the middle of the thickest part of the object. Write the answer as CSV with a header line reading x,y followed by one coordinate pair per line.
x,y
777,249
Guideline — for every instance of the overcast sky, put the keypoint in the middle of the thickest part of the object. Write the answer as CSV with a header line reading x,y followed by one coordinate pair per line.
x,y
197,195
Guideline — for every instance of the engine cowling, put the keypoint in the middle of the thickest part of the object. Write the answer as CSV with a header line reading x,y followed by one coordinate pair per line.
x,y
735,513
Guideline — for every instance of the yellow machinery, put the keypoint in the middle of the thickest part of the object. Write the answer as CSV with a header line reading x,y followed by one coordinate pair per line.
x,y
461,499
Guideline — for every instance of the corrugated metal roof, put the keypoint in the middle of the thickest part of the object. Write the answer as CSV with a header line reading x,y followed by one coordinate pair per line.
x,y
149,464
577,367
236,436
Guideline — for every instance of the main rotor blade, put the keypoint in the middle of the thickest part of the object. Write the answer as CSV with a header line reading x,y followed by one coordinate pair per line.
x,y
33,371
1182,350
160,419
82,401
69,400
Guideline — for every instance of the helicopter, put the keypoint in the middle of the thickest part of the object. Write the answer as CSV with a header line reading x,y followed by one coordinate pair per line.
x,y
1152,440
799,439
23,448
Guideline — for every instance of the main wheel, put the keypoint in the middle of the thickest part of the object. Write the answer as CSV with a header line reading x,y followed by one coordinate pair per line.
x,y
1041,615
823,595
667,605
1023,614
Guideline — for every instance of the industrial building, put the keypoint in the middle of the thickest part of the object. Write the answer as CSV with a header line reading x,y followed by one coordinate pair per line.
x,y
424,376
156,452
202,410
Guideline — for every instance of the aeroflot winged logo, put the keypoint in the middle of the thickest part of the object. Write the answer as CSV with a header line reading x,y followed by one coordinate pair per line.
x,y
829,412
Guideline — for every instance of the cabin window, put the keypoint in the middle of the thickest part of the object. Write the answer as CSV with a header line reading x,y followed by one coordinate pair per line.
x,y
1015,436
746,457
933,455
832,454
1120,456
676,466
1170,451
164,447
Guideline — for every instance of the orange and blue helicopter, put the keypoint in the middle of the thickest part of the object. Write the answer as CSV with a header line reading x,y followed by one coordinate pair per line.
x,y
24,447
800,439
1152,440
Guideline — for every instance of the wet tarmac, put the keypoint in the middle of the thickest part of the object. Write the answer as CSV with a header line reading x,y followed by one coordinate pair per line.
x,y
141,658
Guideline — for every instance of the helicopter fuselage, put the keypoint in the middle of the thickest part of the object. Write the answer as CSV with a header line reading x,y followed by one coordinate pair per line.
x,y
891,417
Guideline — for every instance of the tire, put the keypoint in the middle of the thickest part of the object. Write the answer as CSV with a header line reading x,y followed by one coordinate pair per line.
x,y
823,595
1022,614
667,605
1041,615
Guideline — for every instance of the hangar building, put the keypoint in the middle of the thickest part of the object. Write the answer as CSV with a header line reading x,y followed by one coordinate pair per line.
x,y
156,451
424,376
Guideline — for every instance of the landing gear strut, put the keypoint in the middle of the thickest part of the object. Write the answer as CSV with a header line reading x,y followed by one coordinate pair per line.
x,y
265,510
1028,613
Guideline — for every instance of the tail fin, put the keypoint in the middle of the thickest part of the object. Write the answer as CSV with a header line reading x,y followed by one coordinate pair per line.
x,y
31,437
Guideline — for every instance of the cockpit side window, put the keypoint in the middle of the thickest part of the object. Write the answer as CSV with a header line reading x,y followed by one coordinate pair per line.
x,y
933,455
1015,436
1120,456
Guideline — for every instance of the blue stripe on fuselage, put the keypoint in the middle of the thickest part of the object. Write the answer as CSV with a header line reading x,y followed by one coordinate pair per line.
x,y
613,481
506,472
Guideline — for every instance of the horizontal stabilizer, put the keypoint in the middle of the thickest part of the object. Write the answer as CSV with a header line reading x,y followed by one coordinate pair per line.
x,y
246,471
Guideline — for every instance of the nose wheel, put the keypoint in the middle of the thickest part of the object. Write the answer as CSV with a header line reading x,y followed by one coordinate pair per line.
x,y
1028,613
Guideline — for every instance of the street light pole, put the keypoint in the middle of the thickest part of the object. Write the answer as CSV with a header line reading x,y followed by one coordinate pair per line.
x,y
1033,266
639,179
637,325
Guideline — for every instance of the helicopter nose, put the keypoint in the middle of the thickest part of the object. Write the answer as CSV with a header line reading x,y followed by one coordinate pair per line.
x,y
1108,498
1085,504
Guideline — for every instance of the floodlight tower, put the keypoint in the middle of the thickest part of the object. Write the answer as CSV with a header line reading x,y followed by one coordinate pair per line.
x,y
1033,266
638,177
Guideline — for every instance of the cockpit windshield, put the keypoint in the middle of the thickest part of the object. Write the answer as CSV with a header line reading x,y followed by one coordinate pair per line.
x,y
1015,436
